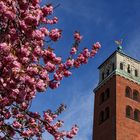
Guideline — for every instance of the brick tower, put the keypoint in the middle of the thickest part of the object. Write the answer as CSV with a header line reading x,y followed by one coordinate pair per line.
x,y
117,99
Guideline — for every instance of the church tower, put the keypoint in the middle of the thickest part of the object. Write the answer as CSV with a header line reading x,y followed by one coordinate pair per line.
x,y
117,99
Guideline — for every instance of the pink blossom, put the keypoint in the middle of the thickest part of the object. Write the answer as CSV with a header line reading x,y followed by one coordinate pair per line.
x,y
10,15
47,117
15,91
55,20
4,47
52,55
55,34
44,30
52,21
58,125
10,58
24,51
24,105
77,36
7,115
58,77
27,133
86,52
30,19
38,51
70,62
77,64
35,2
92,53
97,45
44,75
54,85
73,50
23,25
29,80
73,132
50,67
57,60
20,116
35,58
16,124
37,34
67,73
81,58
2,7
29,65
32,70
41,86
25,60
16,64
62,67
48,9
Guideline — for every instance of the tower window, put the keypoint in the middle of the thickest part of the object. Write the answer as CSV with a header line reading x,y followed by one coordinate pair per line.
x,y
128,92
129,112
121,66
136,73
107,94
103,76
101,117
113,67
136,115
102,98
104,115
107,113
128,69
136,95
107,73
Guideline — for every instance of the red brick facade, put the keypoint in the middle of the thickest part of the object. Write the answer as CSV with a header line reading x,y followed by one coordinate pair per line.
x,y
118,126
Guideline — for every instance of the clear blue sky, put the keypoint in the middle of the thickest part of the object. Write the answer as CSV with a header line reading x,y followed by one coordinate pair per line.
x,y
97,20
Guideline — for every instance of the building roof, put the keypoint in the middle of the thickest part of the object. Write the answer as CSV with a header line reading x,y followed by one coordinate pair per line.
x,y
122,53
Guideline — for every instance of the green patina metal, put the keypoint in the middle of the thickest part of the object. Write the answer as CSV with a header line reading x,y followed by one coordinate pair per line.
x,y
119,48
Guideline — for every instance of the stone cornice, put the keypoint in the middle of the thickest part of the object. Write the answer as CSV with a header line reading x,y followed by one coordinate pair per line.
x,y
120,73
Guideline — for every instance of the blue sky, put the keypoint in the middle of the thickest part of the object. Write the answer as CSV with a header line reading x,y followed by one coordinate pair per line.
x,y
97,20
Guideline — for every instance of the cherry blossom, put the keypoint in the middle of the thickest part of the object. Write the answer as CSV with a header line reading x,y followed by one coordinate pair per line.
x,y
29,65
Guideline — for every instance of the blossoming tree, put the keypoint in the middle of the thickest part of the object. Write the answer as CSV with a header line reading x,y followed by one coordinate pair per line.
x,y
28,67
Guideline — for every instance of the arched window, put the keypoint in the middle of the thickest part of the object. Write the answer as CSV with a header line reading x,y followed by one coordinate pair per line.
x,y
101,117
128,92
107,113
129,112
121,66
136,73
101,98
136,115
113,66
136,95
107,94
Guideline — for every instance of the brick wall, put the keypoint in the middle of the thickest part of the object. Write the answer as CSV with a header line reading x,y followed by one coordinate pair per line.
x,y
105,130
126,129
118,126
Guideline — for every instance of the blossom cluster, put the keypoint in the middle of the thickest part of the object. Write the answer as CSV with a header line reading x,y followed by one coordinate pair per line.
x,y
24,32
